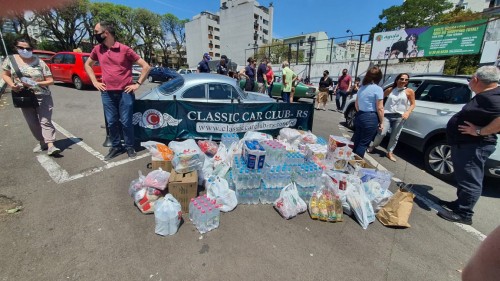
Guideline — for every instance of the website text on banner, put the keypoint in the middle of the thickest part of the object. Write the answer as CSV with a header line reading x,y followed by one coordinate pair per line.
x,y
169,120
463,38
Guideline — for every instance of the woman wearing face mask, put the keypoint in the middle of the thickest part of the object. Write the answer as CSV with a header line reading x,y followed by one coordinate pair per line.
x,y
398,107
324,83
40,77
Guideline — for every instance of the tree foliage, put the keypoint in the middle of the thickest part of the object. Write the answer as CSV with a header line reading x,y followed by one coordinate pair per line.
x,y
73,26
412,13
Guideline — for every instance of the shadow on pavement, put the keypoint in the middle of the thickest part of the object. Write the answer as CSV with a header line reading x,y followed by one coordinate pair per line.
x,y
422,190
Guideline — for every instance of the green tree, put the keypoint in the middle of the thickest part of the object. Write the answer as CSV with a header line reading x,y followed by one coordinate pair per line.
x,y
175,28
148,30
66,25
412,13
121,16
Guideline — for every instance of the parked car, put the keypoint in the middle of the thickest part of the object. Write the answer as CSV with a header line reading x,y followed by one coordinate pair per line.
x,y
184,71
69,67
301,90
438,98
204,87
161,74
44,55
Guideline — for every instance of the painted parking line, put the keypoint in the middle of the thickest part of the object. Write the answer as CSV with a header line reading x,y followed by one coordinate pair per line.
x,y
429,203
60,175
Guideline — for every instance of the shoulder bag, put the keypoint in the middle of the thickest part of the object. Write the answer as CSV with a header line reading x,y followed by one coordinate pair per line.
x,y
26,97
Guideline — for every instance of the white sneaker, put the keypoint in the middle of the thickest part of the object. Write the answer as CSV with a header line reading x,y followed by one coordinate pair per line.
x,y
39,148
53,151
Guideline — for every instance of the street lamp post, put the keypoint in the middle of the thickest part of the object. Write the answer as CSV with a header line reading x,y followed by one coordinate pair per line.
x,y
310,40
350,41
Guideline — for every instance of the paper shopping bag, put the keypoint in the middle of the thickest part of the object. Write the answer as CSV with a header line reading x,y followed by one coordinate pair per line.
x,y
397,210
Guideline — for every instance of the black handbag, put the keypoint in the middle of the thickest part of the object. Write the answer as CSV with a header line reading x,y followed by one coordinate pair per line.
x,y
25,98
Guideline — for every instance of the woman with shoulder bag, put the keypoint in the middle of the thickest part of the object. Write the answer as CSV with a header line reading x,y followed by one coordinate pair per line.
x,y
36,76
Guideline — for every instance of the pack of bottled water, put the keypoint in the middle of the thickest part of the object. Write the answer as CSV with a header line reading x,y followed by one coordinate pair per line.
x,y
307,178
275,152
229,138
204,213
294,158
247,182
274,178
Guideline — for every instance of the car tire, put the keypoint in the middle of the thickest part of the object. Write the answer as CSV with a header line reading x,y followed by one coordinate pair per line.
x,y
77,82
350,115
150,79
438,160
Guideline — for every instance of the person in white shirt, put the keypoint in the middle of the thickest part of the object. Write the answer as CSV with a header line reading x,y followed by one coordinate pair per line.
x,y
398,107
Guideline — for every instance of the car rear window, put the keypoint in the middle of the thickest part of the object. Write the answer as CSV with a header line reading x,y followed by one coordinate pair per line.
x,y
171,86
85,59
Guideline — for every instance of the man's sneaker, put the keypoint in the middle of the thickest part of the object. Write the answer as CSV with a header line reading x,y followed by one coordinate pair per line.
x,y
40,147
113,152
131,152
53,151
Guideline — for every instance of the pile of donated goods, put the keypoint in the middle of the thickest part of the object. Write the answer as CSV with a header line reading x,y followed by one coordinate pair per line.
x,y
295,172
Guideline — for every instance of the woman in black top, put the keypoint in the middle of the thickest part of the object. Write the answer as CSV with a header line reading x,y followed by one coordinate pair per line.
x,y
324,83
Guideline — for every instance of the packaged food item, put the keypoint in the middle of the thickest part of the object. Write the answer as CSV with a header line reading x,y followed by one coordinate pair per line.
x,y
254,154
158,150
209,147
157,179
338,141
187,156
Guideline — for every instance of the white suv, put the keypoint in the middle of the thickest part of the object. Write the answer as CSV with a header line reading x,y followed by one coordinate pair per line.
x,y
438,97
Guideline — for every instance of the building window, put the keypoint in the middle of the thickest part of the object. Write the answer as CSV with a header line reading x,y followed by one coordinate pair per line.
x,y
210,28
217,55
265,31
217,46
266,22
211,54
265,41
216,29
217,38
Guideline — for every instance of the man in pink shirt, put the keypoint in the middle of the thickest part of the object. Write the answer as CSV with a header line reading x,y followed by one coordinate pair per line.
x,y
117,88
343,86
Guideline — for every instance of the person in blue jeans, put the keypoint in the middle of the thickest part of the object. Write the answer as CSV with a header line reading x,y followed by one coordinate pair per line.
x,y
471,133
117,88
370,106
397,109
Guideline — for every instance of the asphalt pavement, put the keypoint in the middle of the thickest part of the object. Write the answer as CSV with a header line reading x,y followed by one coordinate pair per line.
x,y
79,223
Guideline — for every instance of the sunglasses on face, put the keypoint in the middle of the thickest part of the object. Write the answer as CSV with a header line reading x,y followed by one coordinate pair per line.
x,y
23,48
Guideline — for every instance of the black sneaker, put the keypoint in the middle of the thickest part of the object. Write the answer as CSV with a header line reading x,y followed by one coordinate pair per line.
x,y
131,152
453,217
450,205
113,152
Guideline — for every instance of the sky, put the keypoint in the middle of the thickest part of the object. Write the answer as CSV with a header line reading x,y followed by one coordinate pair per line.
x,y
291,17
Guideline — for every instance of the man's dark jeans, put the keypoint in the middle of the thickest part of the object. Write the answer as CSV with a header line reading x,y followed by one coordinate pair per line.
x,y
285,96
343,95
366,124
119,108
468,164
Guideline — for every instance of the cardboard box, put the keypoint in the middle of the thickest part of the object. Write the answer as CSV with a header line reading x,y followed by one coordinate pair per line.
x,y
164,165
361,163
183,187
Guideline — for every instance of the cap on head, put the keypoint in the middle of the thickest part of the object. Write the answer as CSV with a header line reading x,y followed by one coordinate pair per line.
x,y
326,71
207,56
223,57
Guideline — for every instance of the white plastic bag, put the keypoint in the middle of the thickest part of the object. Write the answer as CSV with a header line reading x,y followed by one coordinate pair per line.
x,y
252,135
376,194
157,179
289,204
289,134
168,215
342,187
136,185
221,155
188,157
218,189
158,150
361,206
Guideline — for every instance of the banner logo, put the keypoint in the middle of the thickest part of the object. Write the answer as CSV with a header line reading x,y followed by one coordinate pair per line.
x,y
153,119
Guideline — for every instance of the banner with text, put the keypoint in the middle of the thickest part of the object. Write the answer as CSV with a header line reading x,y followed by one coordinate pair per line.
x,y
463,38
169,120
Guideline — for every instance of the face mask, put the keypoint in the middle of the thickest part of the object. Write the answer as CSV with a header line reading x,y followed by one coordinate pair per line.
x,y
344,73
25,53
324,74
99,38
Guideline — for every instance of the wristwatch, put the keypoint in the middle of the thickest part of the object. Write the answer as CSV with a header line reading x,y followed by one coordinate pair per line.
x,y
478,132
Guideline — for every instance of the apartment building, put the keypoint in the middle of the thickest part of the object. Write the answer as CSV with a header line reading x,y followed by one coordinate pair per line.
x,y
236,30
352,48
315,46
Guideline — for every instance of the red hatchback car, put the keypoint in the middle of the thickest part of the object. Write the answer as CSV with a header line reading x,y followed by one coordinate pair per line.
x,y
69,67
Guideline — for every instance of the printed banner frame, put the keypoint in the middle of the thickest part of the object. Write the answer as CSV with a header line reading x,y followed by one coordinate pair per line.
x,y
463,38
170,120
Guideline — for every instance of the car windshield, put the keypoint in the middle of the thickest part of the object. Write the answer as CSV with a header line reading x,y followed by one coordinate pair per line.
x,y
171,86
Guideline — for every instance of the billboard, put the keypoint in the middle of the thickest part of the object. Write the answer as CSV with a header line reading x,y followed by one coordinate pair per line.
x,y
463,38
